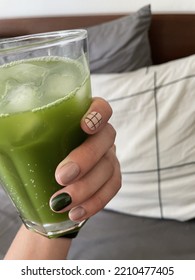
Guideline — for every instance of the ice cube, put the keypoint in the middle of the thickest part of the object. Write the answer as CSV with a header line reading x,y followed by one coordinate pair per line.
x,y
27,72
59,85
19,98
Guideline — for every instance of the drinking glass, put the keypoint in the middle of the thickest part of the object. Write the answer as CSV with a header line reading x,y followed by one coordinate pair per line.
x,y
44,92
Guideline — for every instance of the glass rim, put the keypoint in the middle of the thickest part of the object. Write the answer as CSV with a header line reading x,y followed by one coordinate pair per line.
x,y
41,40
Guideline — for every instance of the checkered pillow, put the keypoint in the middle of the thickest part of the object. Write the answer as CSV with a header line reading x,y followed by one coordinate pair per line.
x,y
154,115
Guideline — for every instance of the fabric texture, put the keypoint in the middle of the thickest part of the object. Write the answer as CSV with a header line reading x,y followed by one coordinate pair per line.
x,y
154,116
120,45
9,222
114,236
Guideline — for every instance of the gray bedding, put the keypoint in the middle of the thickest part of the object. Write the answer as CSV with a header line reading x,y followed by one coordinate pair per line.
x,y
115,236
111,236
9,222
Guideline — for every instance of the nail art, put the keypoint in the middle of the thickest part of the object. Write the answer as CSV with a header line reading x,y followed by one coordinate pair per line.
x,y
93,120
60,201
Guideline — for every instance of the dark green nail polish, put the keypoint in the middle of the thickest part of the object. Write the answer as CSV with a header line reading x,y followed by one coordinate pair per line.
x,y
60,201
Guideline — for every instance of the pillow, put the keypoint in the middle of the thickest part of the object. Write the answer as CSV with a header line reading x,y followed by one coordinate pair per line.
x,y
120,45
154,116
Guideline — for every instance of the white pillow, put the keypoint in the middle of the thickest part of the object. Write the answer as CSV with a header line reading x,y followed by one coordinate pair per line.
x,y
154,116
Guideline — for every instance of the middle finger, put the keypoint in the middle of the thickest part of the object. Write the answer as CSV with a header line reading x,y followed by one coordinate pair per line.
x,y
84,188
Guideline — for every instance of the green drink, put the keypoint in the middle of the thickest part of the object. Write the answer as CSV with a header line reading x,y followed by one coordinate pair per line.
x,y
42,101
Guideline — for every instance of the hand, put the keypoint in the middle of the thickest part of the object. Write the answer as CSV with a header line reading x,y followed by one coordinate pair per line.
x,y
90,174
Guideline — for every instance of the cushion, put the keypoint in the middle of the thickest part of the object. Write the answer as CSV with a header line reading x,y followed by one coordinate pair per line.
x,y
153,114
120,45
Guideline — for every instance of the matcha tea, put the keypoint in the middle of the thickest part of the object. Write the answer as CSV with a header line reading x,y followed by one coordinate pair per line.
x,y
41,104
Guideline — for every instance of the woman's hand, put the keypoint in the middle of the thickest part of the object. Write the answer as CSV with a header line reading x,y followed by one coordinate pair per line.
x,y
90,177
90,174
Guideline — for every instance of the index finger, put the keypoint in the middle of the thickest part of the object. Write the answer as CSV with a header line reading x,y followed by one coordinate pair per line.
x,y
81,159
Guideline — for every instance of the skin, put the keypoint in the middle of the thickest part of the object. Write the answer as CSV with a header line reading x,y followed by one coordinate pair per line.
x,y
95,183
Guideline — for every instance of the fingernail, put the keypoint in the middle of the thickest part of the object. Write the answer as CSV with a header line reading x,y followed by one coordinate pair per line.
x,y
60,201
77,213
93,120
67,173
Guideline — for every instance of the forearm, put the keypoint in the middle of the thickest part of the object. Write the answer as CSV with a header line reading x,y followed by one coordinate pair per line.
x,y
28,245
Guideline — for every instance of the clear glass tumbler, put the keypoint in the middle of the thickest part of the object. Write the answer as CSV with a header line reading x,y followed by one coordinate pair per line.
x,y
44,92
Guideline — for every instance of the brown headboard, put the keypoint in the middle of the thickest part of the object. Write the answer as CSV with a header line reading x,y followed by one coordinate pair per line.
x,y
171,35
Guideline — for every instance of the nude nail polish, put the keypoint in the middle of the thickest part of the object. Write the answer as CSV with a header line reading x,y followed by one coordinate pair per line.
x,y
67,173
77,213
